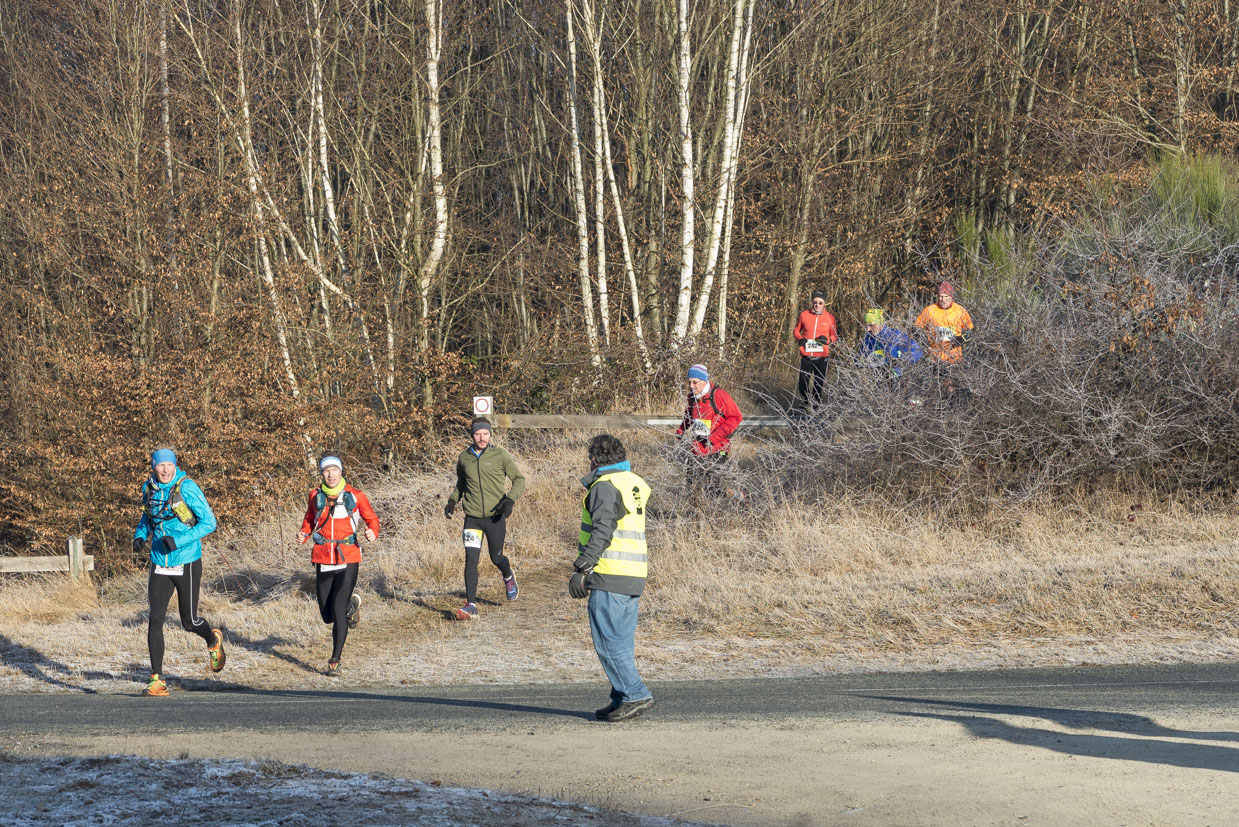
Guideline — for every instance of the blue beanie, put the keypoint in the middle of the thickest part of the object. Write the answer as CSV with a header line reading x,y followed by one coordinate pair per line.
x,y
699,372
163,455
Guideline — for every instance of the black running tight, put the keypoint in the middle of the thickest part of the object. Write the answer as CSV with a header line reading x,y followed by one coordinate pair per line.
x,y
159,592
494,530
334,590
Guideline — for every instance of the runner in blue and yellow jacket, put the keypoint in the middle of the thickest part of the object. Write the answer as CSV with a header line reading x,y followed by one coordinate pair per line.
x,y
175,518
885,347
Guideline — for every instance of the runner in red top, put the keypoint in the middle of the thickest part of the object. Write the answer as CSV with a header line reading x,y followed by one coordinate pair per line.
x,y
710,418
815,331
336,513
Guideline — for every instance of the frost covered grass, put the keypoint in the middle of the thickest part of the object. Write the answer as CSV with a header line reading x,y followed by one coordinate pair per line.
x,y
787,582
126,790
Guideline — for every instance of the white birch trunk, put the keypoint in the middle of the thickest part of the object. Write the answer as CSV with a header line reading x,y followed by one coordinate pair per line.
x,y
329,200
600,212
430,267
630,270
578,199
165,120
246,140
683,303
730,148
745,86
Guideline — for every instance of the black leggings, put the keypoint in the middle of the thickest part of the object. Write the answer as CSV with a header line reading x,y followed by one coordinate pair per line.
x,y
334,590
812,379
159,590
494,531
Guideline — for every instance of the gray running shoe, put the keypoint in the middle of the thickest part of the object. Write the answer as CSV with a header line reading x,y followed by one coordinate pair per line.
x,y
353,612
629,710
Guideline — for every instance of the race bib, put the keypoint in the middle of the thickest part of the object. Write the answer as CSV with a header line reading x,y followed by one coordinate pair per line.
x,y
946,334
332,566
171,571
701,427
473,538
813,346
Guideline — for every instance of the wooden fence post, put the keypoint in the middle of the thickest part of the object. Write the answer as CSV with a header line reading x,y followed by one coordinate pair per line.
x,y
76,568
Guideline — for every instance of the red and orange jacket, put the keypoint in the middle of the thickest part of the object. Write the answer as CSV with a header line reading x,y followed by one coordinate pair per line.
x,y
711,420
819,326
334,526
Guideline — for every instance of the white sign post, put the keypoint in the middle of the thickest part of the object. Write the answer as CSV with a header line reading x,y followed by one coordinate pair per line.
x,y
483,405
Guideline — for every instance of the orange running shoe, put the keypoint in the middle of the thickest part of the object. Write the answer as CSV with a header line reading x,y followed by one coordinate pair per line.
x,y
157,687
218,656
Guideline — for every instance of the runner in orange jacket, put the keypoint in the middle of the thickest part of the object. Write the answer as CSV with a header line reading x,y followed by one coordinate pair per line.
x,y
946,325
335,514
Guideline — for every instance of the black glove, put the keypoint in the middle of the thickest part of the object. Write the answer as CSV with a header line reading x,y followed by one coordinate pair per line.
x,y
449,508
139,545
168,543
576,583
801,342
504,508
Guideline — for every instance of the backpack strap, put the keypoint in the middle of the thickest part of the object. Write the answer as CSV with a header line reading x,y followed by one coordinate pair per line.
x,y
326,508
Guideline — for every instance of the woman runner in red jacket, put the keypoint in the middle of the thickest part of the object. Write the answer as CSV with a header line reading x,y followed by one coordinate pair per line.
x,y
335,514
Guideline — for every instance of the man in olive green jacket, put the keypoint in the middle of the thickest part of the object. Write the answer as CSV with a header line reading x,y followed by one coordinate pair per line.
x,y
483,472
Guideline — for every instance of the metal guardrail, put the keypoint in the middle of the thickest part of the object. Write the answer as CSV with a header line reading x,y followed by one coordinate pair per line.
x,y
615,421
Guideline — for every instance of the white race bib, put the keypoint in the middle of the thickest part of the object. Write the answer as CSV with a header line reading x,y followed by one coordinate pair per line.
x,y
171,571
701,427
473,538
813,346
332,567
946,334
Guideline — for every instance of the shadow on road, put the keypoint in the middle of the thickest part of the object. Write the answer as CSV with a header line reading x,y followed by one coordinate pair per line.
x,y
1123,722
333,696
1134,747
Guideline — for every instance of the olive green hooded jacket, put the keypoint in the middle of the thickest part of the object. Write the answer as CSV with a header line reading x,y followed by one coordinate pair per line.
x,y
481,480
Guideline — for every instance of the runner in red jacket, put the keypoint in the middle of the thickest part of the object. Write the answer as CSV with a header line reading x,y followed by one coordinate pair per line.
x,y
336,513
710,418
815,331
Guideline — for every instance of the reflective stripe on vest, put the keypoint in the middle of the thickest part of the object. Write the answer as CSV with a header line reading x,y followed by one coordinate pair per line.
x,y
627,555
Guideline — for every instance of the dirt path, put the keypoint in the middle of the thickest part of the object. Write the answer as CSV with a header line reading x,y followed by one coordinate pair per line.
x,y
1044,748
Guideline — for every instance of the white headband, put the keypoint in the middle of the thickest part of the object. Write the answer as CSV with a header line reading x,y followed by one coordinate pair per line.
x,y
327,462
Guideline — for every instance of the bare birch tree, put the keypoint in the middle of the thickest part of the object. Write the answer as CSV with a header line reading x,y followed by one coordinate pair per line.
x,y
578,196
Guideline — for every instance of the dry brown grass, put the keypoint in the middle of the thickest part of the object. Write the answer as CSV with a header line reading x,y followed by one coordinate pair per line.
x,y
777,585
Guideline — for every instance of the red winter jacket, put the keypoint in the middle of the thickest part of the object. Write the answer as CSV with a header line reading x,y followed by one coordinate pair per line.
x,y
334,524
819,326
715,414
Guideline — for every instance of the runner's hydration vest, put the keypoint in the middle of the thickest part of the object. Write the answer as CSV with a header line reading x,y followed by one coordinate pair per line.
x,y
173,508
627,555
325,514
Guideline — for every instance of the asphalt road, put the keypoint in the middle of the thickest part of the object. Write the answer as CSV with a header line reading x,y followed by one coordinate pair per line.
x,y
1122,698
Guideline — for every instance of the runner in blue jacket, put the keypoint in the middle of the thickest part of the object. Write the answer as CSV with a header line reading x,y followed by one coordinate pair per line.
x,y
886,347
175,518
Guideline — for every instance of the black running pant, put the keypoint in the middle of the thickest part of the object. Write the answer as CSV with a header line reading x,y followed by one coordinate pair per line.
x,y
159,590
812,379
494,530
334,590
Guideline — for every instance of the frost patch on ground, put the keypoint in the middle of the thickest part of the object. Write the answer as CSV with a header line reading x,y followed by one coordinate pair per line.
x,y
126,790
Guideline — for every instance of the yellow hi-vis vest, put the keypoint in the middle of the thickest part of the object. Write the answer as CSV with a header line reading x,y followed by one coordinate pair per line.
x,y
626,556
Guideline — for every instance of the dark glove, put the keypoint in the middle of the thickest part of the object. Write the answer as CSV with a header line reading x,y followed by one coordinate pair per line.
x,y
576,584
168,543
801,342
449,508
139,545
504,508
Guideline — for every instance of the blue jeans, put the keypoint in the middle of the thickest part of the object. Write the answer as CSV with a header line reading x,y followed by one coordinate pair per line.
x,y
613,624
